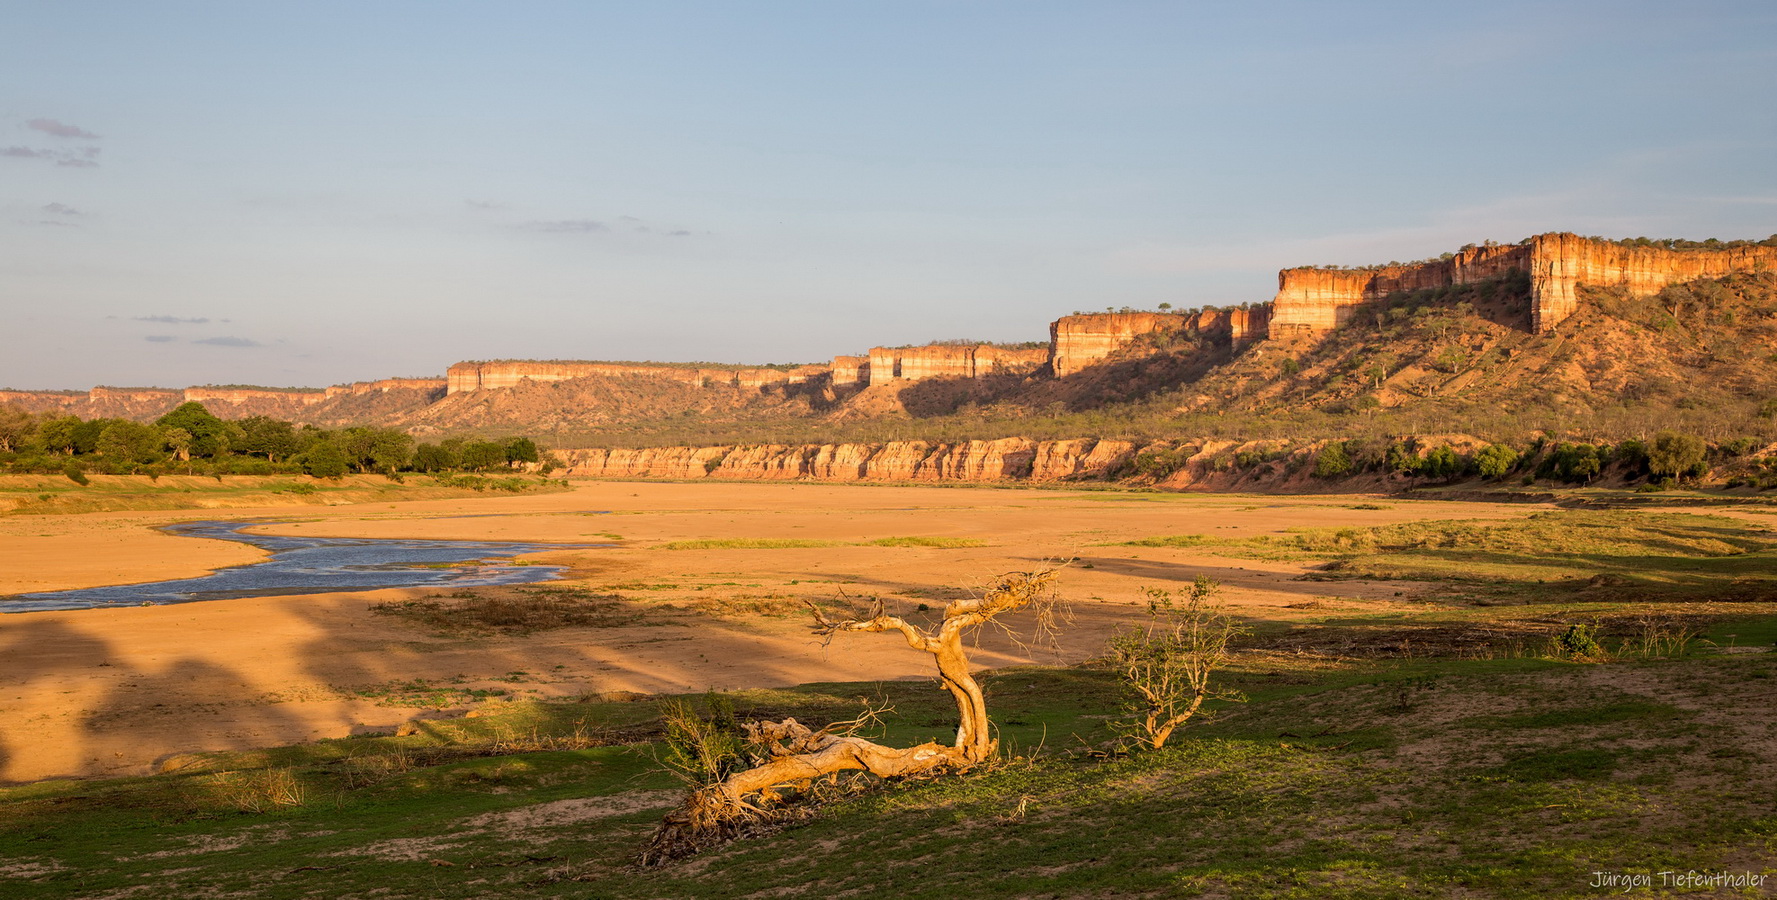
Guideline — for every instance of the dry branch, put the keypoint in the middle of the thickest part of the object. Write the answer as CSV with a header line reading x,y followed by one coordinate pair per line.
x,y
792,755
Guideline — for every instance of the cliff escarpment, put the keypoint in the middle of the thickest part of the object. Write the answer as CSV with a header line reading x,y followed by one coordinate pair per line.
x,y
342,404
1087,339
1556,322
478,376
1316,299
1007,459
889,364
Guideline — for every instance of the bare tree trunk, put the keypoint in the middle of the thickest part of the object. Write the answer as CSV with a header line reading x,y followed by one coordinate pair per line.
x,y
797,755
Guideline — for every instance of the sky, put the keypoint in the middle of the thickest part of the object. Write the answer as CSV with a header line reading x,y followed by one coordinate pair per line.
x,y
324,192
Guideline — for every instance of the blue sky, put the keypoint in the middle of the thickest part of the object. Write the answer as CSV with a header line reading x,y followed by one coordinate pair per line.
x,y
314,193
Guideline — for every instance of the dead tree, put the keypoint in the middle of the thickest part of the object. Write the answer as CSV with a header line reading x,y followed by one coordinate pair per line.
x,y
790,755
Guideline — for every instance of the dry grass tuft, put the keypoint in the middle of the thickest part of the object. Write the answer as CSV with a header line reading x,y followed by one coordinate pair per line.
x,y
518,612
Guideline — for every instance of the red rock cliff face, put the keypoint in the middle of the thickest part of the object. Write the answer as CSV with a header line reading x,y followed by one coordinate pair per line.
x,y
359,388
1008,459
850,371
951,361
1076,342
477,376
1561,262
1313,299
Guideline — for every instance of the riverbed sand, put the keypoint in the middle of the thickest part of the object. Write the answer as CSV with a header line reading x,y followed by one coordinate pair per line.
x,y
124,691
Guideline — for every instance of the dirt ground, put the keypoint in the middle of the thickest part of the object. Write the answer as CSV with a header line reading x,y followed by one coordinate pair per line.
x,y
123,691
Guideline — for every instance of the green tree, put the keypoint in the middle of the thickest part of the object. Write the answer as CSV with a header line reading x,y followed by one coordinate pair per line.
x,y
16,427
208,433
86,435
433,458
520,450
1403,458
268,437
1495,460
1442,462
57,434
391,450
1676,454
324,460
129,443
1333,462
480,456
179,441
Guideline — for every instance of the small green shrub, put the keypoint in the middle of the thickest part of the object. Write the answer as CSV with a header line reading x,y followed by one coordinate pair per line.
x,y
1333,462
1578,642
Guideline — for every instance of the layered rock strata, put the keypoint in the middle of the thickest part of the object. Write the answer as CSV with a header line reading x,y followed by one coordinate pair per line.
x,y
477,376
887,364
1076,342
1559,263
850,371
360,388
1313,299
1007,459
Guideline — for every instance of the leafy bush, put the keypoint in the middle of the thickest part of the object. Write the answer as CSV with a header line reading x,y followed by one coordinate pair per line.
x,y
1495,460
1578,642
1333,462
1676,455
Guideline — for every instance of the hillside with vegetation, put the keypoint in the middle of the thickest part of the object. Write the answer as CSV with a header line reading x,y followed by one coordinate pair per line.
x,y
1696,357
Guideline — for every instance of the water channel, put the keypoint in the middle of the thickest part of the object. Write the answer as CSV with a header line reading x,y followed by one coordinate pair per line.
x,y
313,565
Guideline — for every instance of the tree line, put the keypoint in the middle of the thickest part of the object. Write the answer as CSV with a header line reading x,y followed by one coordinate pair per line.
x,y
192,440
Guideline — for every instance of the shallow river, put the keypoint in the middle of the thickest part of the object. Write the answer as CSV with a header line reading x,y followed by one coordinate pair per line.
x,y
312,565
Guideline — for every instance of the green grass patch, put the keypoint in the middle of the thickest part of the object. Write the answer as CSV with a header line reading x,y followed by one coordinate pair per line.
x,y
942,543
1613,554
750,544
1319,786
946,543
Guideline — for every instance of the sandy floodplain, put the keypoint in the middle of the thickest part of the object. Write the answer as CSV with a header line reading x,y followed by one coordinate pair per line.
x,y
123,691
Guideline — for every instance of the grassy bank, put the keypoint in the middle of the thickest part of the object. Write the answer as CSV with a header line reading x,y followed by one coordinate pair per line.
x,y
54,494
1497,733
1341,777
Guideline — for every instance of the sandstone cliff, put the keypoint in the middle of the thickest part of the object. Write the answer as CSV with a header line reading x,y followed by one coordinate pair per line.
x,y
850,371
1007,459
1561,262
1314,299
358,388
1078,341
145,404
476,376
952,361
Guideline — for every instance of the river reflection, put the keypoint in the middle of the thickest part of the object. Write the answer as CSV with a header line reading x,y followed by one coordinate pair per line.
x,y
313,565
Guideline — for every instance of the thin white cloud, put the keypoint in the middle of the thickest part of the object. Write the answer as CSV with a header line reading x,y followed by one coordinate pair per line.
x,y
171,320
60,129
73,157
567,226
229,341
